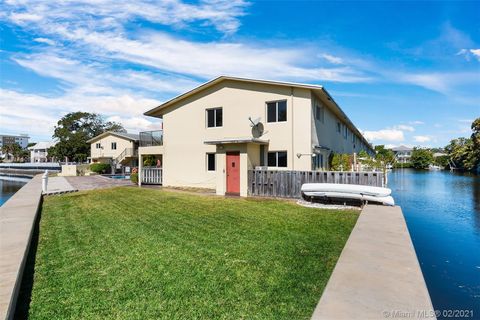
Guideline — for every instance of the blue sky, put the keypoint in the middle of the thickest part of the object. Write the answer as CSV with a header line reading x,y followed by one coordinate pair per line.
x,y
405,72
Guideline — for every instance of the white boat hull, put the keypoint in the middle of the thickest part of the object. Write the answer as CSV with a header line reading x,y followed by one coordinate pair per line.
x,y
386,200
346,188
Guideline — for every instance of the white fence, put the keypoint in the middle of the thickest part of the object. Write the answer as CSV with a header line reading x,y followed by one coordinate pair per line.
x,y
151,175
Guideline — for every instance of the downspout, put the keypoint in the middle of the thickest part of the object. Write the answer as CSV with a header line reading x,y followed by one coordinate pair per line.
x,y
293,132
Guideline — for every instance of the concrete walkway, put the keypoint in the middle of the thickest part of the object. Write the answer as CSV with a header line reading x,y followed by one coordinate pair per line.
x,y
58,185
17,221
97,182
377,275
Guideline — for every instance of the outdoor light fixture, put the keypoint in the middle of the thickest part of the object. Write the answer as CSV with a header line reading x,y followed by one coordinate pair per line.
x,y
299,155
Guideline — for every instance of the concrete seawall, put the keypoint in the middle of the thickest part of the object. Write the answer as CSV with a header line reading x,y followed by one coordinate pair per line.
x,y
377,275
17,221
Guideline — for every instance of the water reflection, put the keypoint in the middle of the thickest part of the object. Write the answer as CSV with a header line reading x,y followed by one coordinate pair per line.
x,y
442,210
8,187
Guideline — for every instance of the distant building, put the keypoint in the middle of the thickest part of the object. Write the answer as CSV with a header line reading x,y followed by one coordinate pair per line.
x,y
116,148
402,154
39,153
7,139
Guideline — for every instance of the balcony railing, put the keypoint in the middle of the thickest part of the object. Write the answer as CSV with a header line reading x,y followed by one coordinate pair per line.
x,y
151,138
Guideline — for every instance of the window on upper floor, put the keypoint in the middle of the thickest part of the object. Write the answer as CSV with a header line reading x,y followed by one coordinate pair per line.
x,y
277,159
345,131
214,117
211,165
98,145
114,146
320,113
339,127
277,111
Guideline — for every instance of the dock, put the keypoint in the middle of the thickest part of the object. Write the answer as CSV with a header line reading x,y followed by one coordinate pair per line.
x,y
378,275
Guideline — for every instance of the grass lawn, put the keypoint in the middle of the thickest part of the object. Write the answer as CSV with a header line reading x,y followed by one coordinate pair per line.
x,y
129,253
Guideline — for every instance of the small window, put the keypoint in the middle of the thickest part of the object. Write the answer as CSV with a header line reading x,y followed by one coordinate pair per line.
x,y
98,145
114,146
211,162
317,161
277,111
277,159
339,127
320,113
345,132
214,117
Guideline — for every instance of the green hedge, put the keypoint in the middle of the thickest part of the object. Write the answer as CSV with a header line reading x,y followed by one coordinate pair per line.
x,y
101,167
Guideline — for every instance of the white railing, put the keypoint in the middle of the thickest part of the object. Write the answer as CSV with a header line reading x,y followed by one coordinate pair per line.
x,y
128,152
151,175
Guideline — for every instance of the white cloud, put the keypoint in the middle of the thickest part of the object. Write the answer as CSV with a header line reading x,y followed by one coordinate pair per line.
x,y
405,128
129,107
465,120
111,14
45,40
422,139
332,59
469,53
416,122
385,135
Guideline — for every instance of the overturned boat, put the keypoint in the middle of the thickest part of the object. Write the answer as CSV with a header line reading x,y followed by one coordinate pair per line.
x,y
346,193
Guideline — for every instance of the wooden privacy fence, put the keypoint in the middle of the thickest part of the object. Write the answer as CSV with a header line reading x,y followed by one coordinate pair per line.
x,y
151,175
287,184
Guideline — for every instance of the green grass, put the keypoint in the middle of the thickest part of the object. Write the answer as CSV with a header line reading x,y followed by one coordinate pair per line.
x,y
129,253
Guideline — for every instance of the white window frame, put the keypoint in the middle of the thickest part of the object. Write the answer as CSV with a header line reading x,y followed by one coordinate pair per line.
x,y
98,145
111,145
276,158
214,161
276,110
214,117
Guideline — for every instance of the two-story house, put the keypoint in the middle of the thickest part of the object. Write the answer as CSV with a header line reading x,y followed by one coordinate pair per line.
x,y
402,153
116,148
215,133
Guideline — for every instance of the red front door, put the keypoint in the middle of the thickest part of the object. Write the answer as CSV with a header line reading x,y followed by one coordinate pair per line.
x,y
233,172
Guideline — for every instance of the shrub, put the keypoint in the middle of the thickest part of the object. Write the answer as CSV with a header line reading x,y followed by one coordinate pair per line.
x,y
340,162
100,167
134,177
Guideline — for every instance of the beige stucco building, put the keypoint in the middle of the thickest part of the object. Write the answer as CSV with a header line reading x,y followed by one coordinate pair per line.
x,y
116,148
215,133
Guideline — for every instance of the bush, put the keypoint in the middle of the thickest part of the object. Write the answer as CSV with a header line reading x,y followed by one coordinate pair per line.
x,y
134,177
100,167
340,162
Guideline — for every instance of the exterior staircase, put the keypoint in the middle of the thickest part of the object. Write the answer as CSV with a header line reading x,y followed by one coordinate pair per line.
x,y
127,153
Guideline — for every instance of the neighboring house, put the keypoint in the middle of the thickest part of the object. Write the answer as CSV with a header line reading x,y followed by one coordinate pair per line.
x,y
6,139
208,140
402,154
116,148
39,152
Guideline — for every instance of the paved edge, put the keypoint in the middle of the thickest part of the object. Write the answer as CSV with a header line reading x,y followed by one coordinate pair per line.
x,y
378,275
17,221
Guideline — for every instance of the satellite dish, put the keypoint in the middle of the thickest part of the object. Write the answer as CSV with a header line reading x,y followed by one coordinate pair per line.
x,y
257,127
258,130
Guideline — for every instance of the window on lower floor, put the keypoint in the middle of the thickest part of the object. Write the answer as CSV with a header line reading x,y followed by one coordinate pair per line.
x,y
211,162
114,146
277,159
317,162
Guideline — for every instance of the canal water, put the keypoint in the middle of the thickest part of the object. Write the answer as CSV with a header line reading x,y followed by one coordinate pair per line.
x,y
442,210
8,187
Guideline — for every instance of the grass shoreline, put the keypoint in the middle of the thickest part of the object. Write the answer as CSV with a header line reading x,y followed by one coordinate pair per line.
x,y
129,253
